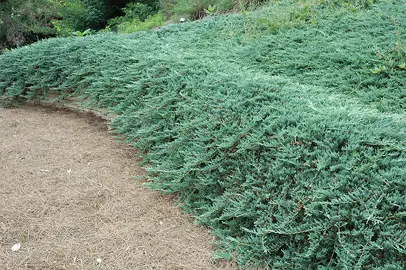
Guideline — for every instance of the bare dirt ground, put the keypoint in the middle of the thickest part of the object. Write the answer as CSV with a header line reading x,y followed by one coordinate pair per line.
x,y
67,194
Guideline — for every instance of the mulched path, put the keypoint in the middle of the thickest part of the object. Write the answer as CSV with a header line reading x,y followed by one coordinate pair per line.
x,y
69,197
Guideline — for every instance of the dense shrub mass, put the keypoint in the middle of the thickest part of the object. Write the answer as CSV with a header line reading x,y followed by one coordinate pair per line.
x,y
289,143
23,22
80,15
137,17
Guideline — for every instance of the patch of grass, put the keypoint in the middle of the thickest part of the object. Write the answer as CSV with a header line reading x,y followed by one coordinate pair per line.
x,y
284,143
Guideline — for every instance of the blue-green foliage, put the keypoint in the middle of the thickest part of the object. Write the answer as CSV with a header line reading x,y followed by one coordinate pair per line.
x,y
287,145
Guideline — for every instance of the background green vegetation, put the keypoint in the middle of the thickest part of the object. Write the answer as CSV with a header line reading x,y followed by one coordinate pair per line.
x,y
80,15
137,17
23,22
282,129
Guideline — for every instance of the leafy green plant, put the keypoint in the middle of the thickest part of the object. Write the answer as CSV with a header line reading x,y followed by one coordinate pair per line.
x,y
139,11
379,70
87,32
6,50
135,25
135,14
210,10
195,9
402,65
393,59
79,15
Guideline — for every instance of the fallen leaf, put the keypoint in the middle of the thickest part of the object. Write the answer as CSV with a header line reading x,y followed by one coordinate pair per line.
x,y
16,247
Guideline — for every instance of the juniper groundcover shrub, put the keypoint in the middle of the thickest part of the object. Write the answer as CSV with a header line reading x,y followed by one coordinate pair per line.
x,y
290,145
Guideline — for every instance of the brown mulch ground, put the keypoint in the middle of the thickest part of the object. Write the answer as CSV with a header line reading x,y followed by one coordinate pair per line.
x,y
68,195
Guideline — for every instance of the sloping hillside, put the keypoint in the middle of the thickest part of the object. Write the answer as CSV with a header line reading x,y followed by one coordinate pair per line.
x,y
283,130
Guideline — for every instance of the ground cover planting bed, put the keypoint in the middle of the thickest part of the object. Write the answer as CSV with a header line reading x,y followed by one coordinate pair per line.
x,y
286,138
68,196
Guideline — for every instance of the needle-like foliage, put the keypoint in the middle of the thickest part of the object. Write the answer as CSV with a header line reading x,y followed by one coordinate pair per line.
x,y
289,144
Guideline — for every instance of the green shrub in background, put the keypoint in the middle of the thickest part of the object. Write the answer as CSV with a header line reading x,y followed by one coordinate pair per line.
x,y
80,15
138,11
137,17
135,25
24,22
197,9
152,3
285,144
